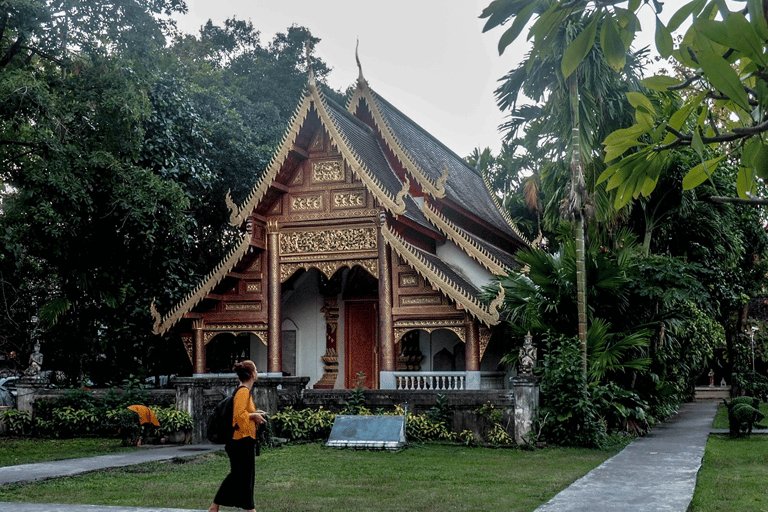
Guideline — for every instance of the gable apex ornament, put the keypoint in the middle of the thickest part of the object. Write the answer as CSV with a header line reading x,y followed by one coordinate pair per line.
x,y
360,77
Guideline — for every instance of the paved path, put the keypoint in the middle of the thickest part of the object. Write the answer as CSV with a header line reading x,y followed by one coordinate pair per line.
x,y
656,472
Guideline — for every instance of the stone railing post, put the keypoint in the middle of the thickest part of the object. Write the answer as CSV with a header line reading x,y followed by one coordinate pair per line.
x,y
189,397
28,389
525,389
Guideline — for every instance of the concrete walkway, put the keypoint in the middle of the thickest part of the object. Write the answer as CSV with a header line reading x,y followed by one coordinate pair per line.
x,y
656,472
70,467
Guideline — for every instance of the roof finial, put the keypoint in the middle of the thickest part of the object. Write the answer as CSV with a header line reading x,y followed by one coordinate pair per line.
x,y
311,77
360,77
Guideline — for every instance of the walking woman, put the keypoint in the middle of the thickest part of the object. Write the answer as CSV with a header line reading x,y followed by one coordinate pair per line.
x,y
237,488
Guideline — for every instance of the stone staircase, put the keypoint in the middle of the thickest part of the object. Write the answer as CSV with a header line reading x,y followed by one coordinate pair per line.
x,y
714,393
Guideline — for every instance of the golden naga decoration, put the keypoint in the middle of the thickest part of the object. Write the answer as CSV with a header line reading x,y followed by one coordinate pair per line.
x,y
155,316
497,303
440,183
400,199
231,206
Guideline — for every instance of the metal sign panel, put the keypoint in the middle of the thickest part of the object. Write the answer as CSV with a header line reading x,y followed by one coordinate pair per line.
x,y
368,432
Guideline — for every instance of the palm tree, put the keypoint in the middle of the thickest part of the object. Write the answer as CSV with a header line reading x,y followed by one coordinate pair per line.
x,y
578,96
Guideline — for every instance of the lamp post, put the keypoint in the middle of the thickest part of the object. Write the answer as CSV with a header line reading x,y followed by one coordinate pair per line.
x,y
752,344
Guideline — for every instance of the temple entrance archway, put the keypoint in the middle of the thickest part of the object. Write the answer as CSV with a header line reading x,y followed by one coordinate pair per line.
x,y
225,349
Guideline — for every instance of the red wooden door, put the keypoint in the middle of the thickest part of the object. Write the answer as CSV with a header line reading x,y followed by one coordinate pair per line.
x,y
361,342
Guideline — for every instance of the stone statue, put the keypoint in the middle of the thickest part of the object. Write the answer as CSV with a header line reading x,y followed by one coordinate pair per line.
x,y
527,356
35,363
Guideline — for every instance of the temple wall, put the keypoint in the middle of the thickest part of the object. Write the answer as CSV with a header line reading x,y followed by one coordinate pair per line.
x,y
462,263
302,307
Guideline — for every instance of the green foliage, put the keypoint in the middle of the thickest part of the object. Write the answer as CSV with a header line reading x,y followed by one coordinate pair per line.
x,y
304,424
568,416
743,414
751,383
18,423
496,435
356,400
441,412
172,420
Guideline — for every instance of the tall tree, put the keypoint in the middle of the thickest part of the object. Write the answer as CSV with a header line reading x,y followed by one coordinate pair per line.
x,y
571,42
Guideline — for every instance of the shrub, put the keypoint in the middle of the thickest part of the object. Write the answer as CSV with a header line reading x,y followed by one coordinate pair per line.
x,y
304,424
743,414
570,417
19,423
172,420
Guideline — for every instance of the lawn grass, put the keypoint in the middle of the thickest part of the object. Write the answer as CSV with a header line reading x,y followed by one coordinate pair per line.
x,y
26,451
733,475
311,477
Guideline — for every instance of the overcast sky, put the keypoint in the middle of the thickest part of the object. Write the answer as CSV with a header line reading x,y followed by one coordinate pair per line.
x,y
429,58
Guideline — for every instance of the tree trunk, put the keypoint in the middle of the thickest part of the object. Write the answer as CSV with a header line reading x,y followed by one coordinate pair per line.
x,y
576,200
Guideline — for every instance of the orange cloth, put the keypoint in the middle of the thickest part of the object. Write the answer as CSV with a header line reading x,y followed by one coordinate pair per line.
x,y
242,408
145,414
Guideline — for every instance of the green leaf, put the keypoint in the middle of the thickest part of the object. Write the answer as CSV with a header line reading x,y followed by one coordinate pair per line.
x,y
697,144
700,173
757,17
745,182
579,48
641,101
612,45
50,312
722,76
513,32
660,82
686,10
664,42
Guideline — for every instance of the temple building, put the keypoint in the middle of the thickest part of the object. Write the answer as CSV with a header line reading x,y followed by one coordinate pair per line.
x,y
366,243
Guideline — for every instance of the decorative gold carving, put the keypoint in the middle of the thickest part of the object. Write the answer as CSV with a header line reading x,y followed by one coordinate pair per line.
x,y
420,300
272,226
354,161
497,303
189,344
298,179
313,202
430,326
327,171
408,280
351,199
330,370
259,330
327,267
256,265
317,141
468,245
332,240
254,287
277,208
335,214
243,307
485,338
438,279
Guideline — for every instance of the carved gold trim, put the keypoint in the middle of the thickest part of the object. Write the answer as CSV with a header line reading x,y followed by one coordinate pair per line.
x,y
327,267
254,287
458,328
344,199
203,287
328,241
243,307
305,202
416,300
440,281
258,330
237,216
363,91
468,245
189,346
328,171
485,339
353,160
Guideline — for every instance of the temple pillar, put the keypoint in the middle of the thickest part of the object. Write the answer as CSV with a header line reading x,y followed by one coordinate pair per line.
x,y
387,356
199,346
275,311
473,347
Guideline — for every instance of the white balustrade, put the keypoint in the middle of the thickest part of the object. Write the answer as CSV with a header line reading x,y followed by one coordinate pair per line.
x,y
417,381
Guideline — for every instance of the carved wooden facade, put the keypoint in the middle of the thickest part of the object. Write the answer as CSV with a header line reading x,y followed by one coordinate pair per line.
x,y
374,205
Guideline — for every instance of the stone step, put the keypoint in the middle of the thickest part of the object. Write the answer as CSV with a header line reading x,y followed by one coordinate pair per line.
x,y
716,393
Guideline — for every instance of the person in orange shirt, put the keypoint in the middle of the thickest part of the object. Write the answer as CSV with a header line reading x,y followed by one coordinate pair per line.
x,y
237,488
